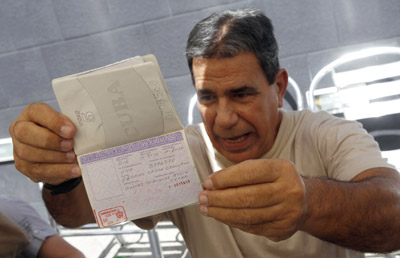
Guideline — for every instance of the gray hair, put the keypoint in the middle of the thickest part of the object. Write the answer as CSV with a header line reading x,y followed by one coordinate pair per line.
x,y
227,33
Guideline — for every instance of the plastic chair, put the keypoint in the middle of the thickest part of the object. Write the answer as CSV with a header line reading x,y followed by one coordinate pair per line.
x,y
364,86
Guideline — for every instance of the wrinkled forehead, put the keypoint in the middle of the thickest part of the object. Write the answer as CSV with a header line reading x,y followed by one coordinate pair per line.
x,y
237,71
221,64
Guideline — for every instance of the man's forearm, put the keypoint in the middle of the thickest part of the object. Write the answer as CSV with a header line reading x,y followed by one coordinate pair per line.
x,y
362,214
71,209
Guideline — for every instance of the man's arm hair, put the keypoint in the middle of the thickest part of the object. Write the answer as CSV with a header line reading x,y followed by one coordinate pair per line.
x,y
362,214
71,209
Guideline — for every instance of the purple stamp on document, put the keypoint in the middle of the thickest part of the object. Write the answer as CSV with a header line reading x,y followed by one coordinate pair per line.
x,y
131,147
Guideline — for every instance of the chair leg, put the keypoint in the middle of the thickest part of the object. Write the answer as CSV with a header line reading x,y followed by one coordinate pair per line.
x,y
155,244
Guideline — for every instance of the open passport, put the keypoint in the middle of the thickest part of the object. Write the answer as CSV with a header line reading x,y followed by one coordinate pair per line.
x,y
130,142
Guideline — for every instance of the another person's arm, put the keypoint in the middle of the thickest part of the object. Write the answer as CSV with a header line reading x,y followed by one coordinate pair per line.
x,y
40,239
56,247
269,198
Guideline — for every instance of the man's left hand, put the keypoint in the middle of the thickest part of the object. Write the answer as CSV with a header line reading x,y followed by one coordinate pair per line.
x,y
263,197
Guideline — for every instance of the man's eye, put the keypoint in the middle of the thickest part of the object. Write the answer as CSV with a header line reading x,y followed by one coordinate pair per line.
x,y
241,95
205,98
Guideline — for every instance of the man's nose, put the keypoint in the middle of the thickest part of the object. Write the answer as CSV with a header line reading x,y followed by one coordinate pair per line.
x,y
226,116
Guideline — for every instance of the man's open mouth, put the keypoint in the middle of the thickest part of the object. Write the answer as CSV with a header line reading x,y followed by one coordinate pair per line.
x,y
237,139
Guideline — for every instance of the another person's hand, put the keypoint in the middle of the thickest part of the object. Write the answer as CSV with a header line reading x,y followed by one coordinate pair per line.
x,y
43,145
263,197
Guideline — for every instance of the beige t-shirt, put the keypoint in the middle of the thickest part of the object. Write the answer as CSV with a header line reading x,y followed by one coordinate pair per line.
x,y
319,145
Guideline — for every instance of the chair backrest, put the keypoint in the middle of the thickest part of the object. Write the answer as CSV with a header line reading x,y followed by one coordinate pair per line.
x,y
364,86
293,87
294,103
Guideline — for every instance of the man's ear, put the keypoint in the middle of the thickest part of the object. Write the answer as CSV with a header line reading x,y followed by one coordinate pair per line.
x,y
281,81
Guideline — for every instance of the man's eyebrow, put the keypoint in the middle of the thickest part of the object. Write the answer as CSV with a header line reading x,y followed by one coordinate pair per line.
x,y
204,92
242,89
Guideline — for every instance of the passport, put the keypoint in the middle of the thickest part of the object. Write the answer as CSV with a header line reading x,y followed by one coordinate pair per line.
x,y
130,142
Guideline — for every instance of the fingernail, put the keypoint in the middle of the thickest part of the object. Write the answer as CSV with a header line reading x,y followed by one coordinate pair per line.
x,y
66,145
70,156
203,200
66,131
208,184
76,171
203,210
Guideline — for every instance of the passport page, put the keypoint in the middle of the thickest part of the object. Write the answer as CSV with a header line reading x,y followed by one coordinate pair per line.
x,y
117,104
140,179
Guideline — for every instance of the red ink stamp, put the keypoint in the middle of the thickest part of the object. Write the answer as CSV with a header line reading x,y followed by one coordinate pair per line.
x,y
112,216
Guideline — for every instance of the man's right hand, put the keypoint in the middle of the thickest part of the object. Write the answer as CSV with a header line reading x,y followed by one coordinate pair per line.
x,y
43,145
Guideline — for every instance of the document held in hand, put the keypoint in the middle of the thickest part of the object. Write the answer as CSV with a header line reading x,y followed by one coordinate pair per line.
x,y
130,142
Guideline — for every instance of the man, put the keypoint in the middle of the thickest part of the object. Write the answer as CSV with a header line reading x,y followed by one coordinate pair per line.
x,y
292,184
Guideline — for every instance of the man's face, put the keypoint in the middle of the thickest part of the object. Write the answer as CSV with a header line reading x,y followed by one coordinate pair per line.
x,y
238,106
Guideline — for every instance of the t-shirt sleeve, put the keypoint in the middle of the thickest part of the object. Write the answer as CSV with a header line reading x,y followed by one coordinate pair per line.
x,y
347,149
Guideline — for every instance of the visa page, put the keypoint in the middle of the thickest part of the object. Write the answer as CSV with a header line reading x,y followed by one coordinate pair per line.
x,y
130,142
140,179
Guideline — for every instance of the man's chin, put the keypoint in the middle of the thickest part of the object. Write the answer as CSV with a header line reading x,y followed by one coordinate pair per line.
x,y
237,157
